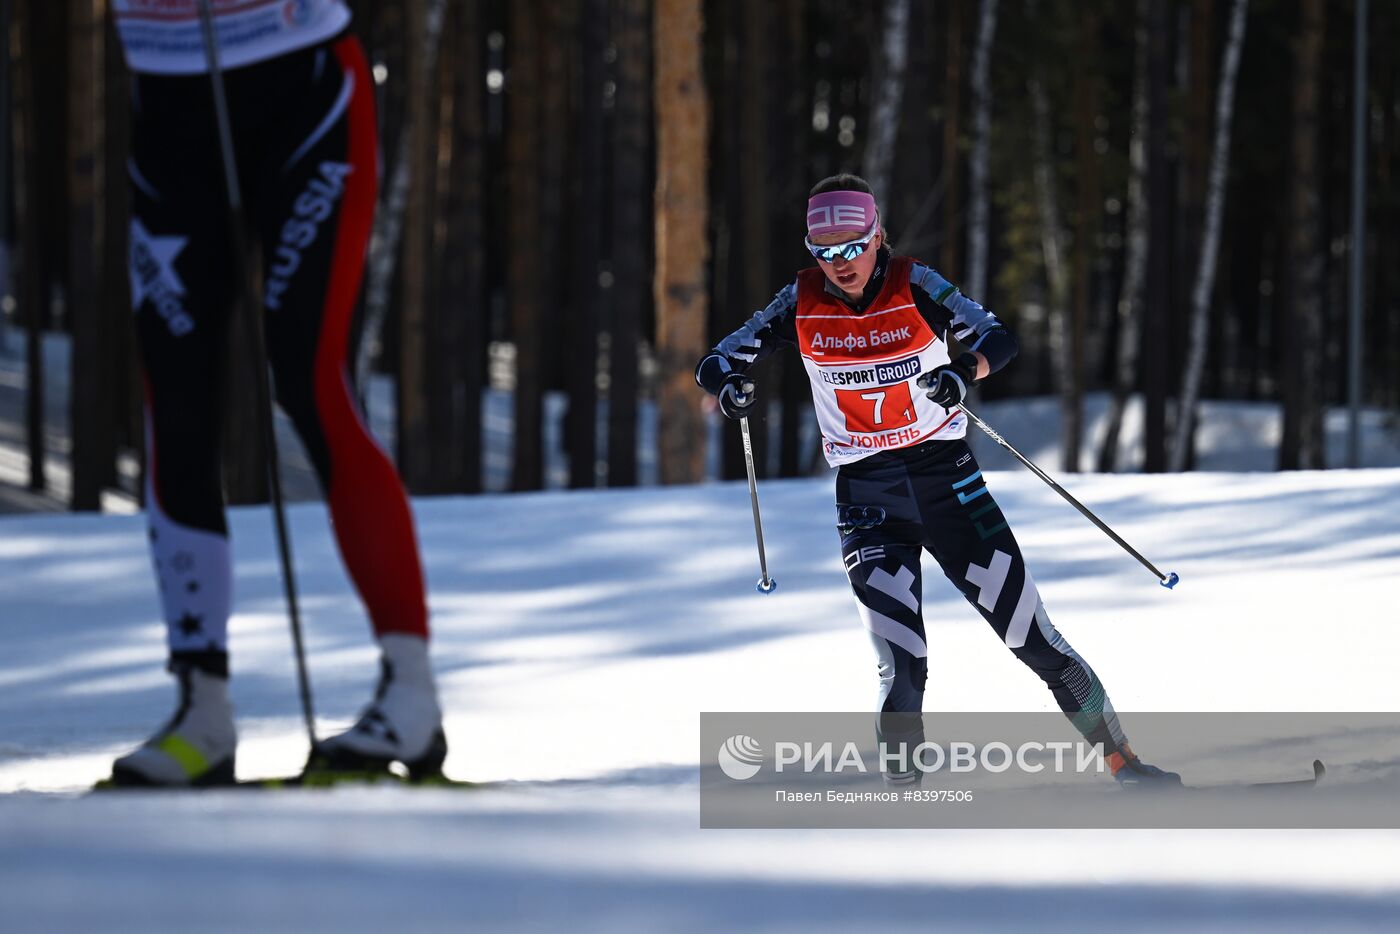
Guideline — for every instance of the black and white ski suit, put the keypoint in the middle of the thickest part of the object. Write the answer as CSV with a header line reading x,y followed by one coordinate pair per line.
x,y
906,480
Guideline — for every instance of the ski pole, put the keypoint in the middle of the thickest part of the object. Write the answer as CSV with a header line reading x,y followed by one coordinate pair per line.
x,y
766,584
253,320
1167,580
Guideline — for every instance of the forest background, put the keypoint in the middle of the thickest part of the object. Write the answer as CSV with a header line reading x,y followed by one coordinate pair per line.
x,y
579,198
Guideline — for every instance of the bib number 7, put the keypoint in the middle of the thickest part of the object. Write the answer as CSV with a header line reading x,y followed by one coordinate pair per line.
x,y
871,410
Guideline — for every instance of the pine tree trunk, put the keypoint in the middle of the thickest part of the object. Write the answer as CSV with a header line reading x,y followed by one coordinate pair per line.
x,y
1086,233
1156,330
754,232
442,325
632,203
523,151
1304,388
6,180
414,427
979,207
952,140
460,305
588,230
1052,241
727,279
123,420
790,158
1210,239
682,145
1135,254
31,294
557,40
89,362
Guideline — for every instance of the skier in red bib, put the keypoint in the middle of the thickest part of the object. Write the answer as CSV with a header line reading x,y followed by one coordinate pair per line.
x,y
301,105
873,330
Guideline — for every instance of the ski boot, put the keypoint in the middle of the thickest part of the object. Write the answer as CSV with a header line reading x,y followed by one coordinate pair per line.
x,y
196,748
403,724
1131,772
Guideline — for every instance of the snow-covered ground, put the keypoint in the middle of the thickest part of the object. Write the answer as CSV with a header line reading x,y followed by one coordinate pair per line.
x,y
579,635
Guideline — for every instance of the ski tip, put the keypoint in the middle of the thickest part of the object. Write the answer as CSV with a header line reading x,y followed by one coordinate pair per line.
x,y
767,585
1319,770
1170,581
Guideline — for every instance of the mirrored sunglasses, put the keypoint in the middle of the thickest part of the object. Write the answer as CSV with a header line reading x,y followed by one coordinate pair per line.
x,y
848,250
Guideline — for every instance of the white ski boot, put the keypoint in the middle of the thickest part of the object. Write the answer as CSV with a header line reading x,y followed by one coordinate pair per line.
x,y
402,724
196,748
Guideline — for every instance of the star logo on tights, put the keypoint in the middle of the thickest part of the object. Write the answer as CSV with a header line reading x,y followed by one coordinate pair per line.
x,y
152,262
189,623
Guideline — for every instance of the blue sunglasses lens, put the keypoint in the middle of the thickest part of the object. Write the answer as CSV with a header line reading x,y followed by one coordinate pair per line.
x,y
847,251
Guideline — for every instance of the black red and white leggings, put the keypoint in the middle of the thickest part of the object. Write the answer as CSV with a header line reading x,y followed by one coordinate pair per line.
x,y
307,154
893,506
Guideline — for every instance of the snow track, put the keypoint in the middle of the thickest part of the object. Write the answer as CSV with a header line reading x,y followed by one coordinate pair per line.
x,y
578,636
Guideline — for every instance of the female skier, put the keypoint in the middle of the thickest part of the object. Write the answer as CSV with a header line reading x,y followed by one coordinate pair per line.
x,y
873,330
301,105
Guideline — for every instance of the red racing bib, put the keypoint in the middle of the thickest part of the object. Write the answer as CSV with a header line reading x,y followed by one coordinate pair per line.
x,y
863,367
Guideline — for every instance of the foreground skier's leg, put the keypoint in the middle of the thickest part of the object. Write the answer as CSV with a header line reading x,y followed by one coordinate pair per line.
x,y
325,192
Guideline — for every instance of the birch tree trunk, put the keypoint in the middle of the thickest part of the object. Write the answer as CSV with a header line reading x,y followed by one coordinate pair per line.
x,y
1157,308
884,118
978,208
1135,254
682,134
1210,241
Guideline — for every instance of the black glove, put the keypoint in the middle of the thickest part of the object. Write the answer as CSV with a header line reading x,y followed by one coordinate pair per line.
x,y
736,396
948,384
